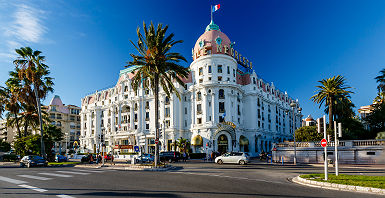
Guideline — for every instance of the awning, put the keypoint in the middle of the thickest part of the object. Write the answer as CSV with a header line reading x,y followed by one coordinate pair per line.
x,y
243,141
197,141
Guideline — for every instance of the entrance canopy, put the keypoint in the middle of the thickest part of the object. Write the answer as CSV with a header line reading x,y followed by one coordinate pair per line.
x,y
197,141
228,128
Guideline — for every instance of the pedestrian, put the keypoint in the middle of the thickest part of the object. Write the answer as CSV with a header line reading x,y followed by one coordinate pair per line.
x,y
91,158
184,156
112,159
212,155
99,159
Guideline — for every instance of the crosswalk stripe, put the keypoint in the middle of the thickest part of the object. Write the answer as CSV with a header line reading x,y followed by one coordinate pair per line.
x,y
35,177
13,181
65,196
91,171
55,175
72,172
33,188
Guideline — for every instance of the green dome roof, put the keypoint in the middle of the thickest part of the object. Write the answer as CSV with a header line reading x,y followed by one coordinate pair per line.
x,y
212,26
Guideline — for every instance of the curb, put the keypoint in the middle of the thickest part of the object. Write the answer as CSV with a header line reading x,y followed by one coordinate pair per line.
x,y
135,168
341,187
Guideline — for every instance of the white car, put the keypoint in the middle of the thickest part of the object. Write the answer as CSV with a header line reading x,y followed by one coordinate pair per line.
x,y
233,157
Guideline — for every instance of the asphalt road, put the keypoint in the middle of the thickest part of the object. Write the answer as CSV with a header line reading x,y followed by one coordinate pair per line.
x,y
190,180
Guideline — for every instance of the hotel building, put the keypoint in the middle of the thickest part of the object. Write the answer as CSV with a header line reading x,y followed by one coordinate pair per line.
x,y
225,106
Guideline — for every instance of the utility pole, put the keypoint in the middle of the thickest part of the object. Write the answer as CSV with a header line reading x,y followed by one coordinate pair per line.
x,y
336,143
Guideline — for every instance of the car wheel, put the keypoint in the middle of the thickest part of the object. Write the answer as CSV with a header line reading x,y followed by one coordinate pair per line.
x,y
220,162
242,162
28,165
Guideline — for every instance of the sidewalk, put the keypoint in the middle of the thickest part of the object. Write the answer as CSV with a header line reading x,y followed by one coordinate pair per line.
x,y
341,187
9,164
125,166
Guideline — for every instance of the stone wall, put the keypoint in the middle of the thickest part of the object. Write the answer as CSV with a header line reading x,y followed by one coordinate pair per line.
x,y
349,152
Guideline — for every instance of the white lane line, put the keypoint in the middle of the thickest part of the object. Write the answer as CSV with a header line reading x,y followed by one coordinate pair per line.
x,y
55,175
242,178
65,196
91,171
35,177
13,181
33,188
72,172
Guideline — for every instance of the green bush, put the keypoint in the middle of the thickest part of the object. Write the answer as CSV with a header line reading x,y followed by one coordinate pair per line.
x,y
10,158
4,146
128,154
197,155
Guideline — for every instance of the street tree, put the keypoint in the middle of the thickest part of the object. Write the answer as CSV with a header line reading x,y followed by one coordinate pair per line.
x,y
329,92
157,66
183,144
33,72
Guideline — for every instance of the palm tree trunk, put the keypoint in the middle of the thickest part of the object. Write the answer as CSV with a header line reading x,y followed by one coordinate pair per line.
x,y
156,94
25,128
40,121
17,125
330,113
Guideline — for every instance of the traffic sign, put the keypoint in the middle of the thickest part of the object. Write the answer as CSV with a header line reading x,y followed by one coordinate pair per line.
x,y
324,142
156,141
136,148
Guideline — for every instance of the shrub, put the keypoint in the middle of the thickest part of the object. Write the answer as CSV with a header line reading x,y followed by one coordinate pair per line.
x,y
10,158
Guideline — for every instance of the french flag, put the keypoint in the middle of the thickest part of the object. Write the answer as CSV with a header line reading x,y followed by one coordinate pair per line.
x,y
216,7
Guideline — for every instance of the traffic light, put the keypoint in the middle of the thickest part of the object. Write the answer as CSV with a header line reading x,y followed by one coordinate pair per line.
x,y
320,124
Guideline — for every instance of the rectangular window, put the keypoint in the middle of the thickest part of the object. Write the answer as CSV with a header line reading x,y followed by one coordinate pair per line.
x,y
167,112
219,78
135,117
234,72
147,126
219,68
209,68
185,123
200,80
185,110
147,116
200,71
199,109
371,153
228,69
221,107
199,120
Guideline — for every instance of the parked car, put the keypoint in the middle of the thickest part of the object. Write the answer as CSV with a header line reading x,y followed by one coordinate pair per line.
x,y
233,157
87,158
60,158
171,156
109,157
33,160
145,158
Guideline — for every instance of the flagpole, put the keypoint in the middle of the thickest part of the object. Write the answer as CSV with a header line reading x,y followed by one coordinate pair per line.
x,y
211,11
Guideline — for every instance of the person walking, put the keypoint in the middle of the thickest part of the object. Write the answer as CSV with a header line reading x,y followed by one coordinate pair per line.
x,y
184,156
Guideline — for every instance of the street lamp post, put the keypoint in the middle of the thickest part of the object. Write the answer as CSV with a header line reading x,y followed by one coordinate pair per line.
x,y
293,106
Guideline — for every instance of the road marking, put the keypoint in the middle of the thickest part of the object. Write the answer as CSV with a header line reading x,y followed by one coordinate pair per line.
x,y
71,172
231,177
91,171
35,177
56,175
13,181
65,196
33,188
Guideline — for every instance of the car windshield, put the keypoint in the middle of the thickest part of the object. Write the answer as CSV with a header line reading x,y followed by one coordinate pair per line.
x,y
36,157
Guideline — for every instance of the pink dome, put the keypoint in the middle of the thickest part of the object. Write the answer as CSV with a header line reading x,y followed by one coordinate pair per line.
x,y
213,41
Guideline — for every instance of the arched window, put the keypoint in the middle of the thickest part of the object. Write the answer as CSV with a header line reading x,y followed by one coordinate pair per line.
x,y
221,94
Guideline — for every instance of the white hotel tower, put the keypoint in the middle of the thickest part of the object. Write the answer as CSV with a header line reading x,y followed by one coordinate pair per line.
x,y
224,107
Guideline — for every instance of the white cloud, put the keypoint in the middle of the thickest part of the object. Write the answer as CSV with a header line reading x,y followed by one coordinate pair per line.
x,y
27,24
21,27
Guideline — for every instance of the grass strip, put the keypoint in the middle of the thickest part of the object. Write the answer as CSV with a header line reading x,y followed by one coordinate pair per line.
x,y
355,180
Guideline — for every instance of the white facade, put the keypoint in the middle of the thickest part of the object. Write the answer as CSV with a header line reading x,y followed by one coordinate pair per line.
x,y
260,112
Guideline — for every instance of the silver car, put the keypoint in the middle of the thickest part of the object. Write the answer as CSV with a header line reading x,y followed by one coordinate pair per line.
x,y
233,157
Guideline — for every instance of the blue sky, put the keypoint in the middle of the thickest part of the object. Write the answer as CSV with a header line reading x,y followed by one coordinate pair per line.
x,y
291,43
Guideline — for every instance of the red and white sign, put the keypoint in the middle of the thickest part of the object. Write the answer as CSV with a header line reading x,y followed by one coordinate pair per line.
x,y
156,141
324,142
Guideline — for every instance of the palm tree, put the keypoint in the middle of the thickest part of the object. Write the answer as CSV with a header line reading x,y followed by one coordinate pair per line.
x,y
183,144
381,80
33,72
157,66
330,91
